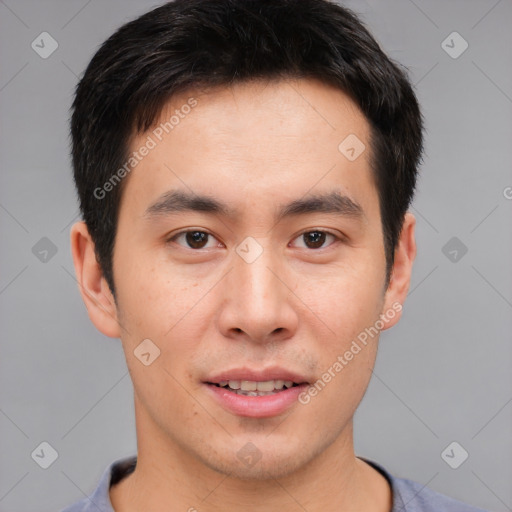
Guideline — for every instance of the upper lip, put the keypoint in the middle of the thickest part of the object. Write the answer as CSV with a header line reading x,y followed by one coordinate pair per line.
x,y
272,373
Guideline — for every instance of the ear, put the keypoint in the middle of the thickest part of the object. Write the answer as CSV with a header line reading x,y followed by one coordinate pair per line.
x,y
398,287
94,289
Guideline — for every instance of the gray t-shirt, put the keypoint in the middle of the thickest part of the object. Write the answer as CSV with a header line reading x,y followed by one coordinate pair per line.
x,y
408,496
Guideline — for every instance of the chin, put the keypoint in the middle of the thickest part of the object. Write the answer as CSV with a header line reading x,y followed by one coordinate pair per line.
x,y
272,468
259,459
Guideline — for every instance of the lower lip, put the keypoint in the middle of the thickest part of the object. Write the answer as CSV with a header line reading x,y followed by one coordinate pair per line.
x,y
256,406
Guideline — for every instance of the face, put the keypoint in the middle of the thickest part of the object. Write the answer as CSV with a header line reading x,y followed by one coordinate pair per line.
x,y
249,248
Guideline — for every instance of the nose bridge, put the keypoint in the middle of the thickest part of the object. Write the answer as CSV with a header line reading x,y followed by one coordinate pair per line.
x,y
255,265
256,299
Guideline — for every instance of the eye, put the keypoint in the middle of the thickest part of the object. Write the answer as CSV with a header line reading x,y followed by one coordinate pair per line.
x,y
194,239
316,239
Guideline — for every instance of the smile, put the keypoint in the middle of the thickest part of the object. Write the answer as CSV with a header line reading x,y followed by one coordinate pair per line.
x,y
255,388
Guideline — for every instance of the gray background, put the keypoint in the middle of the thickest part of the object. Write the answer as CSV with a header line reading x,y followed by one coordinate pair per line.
x,y
442,375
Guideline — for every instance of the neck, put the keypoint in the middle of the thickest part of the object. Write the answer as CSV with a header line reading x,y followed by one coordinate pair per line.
x,y
168,477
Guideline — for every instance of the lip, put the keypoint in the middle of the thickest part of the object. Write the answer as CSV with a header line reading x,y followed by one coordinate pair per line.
x,y
272,373
256,406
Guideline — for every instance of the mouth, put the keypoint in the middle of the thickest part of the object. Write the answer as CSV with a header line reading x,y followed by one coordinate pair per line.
x,y
256,388
256,393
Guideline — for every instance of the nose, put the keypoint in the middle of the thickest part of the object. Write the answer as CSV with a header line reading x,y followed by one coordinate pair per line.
x,y
258,303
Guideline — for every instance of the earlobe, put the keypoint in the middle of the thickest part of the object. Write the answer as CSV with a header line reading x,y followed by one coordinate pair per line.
x,y
398,287
93,287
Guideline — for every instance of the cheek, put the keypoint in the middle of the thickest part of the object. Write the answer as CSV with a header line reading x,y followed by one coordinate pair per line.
x,y
346,349
346,301
173,311
347,308
156,298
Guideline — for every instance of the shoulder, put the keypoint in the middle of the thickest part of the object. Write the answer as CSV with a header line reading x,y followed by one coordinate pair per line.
x,y
99,500
410,496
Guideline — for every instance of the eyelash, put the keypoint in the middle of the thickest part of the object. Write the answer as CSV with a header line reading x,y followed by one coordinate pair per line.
x,y
337,238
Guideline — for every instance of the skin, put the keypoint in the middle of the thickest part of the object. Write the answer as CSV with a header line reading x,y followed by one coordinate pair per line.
x,y
253,146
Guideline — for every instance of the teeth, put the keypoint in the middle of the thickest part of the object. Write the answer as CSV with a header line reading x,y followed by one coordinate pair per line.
x,y
268,385
249,386
255,393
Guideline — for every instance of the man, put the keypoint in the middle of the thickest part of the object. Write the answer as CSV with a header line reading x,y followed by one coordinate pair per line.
x,y
244,170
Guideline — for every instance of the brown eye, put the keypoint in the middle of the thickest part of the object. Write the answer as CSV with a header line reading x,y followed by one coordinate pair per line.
x,y
193,239
315,239
196,239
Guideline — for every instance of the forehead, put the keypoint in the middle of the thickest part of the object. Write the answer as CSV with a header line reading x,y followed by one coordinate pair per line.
x,y
274,139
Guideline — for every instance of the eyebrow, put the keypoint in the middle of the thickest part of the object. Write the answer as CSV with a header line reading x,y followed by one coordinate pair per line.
x,y
176,201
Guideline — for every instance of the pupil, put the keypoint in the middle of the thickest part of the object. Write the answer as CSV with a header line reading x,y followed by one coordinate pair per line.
x,y
196,239
315,238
